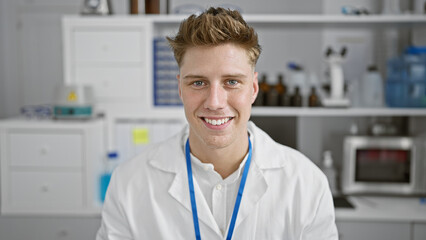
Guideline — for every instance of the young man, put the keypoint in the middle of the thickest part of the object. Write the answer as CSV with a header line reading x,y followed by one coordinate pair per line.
x,y
221,177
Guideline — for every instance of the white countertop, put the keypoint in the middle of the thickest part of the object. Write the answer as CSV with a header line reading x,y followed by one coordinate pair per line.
x,y
389,209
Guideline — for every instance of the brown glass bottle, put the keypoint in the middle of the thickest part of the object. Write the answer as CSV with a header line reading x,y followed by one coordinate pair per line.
x,y
274,94
284,98
313,100
152,6
134,7
296,99
262,96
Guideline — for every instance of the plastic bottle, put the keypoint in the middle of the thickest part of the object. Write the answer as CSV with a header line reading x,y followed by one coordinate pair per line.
x,y
372,86
391,7
329,171
354,93
298,78
110,163
419,7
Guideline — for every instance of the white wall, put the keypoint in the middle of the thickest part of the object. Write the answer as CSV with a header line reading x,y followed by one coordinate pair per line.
x,y
256,6
2,53
9,86
31,50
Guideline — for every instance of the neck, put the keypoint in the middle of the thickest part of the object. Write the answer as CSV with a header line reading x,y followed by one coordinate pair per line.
x,y
225,160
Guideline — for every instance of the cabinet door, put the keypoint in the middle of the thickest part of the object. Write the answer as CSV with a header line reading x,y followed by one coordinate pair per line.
x,y
109,55
419,231
352,230
115,45
45,191
40,148
48,228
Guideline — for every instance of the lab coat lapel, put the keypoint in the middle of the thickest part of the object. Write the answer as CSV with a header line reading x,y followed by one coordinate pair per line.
x,y
264,158
179,190
254,189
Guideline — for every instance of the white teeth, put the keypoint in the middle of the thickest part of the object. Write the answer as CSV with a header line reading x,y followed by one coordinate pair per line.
x,y
217,122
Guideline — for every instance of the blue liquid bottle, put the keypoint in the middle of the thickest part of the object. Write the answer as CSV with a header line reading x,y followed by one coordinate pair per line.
x,y
110,163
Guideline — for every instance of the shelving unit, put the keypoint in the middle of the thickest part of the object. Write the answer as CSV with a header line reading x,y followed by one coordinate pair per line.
x,y
280,36
308,18
336,112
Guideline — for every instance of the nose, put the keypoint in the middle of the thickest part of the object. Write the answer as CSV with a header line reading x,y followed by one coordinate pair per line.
x,y
216,97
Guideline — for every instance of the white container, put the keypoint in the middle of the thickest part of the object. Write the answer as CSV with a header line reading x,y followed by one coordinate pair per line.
x,y
391,7
329,171
419,7
372,89
298,79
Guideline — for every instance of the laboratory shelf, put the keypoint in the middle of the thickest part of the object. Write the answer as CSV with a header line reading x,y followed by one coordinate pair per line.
x,y
314,19
319,19
335,112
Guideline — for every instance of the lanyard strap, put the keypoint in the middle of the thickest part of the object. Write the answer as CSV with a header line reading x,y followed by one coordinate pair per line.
x,y
192,192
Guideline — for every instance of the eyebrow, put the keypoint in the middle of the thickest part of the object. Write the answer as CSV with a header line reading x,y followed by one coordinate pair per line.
x,y
237,75
193,76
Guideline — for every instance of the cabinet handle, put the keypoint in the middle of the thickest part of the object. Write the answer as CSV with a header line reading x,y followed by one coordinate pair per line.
x,y
44,188
44,150
63,233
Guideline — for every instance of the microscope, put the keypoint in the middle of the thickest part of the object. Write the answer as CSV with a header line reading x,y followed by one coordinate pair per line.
x,y
337,94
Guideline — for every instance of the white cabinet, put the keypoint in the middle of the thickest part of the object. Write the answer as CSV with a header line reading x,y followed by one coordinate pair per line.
x,y
45,149
49,228
419,231
111,54
50,166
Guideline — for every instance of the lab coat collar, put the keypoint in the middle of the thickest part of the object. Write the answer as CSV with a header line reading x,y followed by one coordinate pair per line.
x,y
265,156
265,153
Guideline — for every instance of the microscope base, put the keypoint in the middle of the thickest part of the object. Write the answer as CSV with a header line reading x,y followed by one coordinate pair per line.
x,y
336,102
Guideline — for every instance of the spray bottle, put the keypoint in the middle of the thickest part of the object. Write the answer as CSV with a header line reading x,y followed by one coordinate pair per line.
x,y
110,163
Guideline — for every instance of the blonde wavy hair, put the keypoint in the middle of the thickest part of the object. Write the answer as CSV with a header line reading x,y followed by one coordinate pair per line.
x,y
214,27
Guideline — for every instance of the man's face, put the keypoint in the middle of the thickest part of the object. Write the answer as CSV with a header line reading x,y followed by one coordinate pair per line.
x,y
217,86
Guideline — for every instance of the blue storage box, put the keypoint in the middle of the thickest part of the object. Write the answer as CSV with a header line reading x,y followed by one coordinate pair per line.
x,y
406,79
166,91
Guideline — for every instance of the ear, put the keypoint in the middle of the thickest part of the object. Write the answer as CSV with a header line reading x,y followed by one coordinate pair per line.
x,y
180,89
255,87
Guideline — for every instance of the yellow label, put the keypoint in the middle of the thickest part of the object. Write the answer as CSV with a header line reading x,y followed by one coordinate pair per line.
x,y
72,97
140,136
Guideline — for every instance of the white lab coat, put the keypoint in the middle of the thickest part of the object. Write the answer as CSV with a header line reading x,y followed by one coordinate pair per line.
x,y
286,197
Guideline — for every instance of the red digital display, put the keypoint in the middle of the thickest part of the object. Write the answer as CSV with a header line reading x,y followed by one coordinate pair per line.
x,y
383,165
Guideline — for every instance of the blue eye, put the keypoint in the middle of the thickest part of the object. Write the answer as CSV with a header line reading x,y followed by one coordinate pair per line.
x,y
198,83
232,82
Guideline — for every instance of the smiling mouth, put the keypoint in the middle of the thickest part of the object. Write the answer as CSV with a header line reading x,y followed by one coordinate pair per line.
x,y
217,122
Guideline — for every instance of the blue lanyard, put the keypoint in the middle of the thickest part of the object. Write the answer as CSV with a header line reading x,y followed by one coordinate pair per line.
x,y
192,192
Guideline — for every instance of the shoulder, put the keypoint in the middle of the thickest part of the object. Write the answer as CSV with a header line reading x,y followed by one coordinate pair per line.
x,y
301,167
270,154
